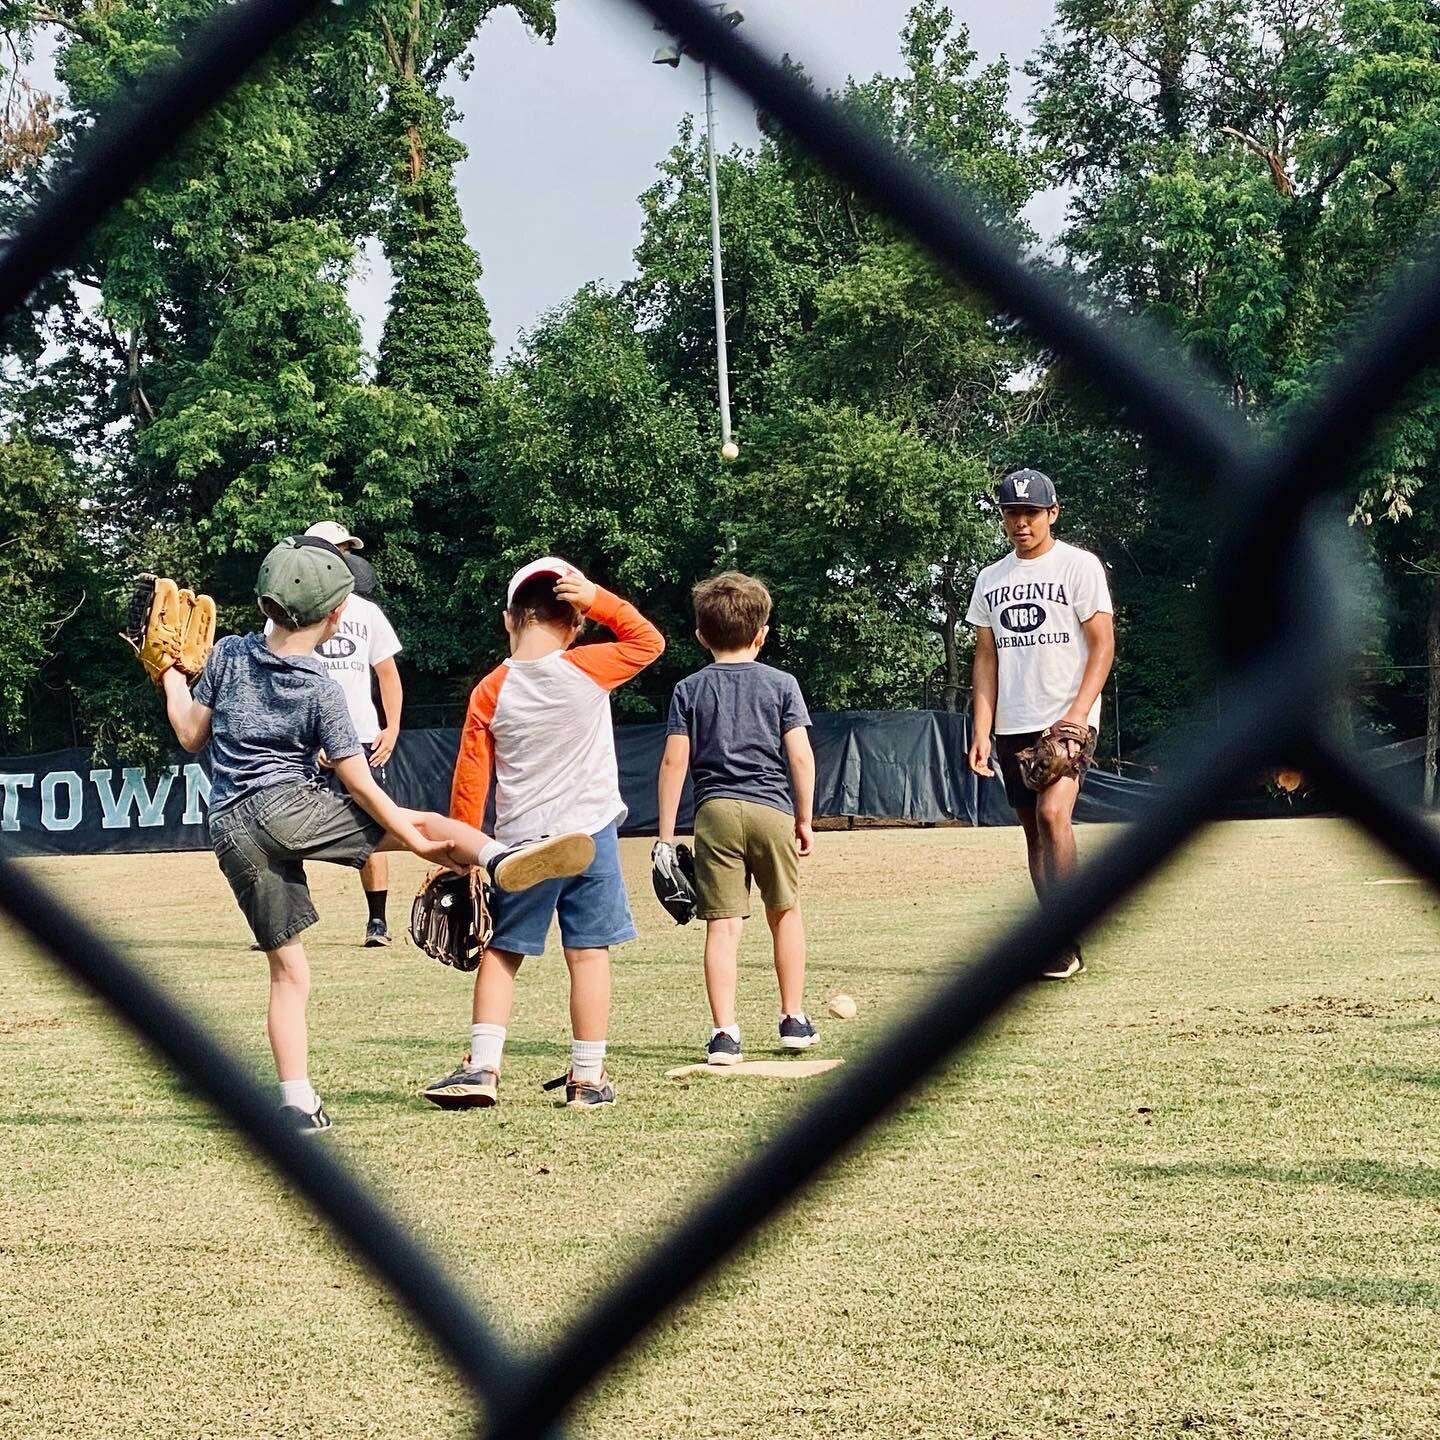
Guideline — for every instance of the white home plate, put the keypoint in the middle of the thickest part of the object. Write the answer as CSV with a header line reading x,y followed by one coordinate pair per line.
x,y
1398,880
773,1069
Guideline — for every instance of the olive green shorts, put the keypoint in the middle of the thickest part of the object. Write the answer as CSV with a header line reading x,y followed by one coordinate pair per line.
x,y
738,839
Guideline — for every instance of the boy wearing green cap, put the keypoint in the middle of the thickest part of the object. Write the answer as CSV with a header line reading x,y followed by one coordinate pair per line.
x,y
265,705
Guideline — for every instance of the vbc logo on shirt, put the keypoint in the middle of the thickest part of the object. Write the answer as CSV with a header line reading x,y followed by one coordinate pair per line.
x,y
338,647
1022,619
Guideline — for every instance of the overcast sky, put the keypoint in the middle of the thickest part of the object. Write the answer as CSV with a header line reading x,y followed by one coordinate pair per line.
x,y
563,137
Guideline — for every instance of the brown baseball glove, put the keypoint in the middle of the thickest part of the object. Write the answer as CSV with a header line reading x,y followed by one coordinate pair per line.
x,y
1057,752
169,627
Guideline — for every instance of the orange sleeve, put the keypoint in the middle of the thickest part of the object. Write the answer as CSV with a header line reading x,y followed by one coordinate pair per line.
x,y
637,643
470,788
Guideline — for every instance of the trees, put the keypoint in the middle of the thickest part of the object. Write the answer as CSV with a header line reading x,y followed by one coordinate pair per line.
x,y
1246,175
873,397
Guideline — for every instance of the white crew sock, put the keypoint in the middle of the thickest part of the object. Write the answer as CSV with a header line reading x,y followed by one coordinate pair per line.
x,y
486,1043
587,1060
491,851
301,1094
733,1031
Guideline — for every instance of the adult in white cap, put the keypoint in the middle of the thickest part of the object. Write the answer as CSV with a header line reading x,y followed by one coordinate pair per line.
x,y
364,646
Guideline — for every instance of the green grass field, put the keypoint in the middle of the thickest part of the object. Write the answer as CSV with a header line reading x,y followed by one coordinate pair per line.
x,y
1193,1193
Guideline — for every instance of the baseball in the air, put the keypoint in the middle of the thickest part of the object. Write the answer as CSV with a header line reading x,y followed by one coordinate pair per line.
x,y
843,1007
729,451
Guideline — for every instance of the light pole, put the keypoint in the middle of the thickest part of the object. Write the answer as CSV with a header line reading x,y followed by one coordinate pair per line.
x,y
670,55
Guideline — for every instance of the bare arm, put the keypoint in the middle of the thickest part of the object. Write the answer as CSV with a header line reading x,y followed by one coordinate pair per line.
x,y
802,782
985,687
392,701
674,765
1100,637
355,775
188,718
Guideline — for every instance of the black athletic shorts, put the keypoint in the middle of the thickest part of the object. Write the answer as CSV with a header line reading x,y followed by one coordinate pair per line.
x,y
377,773
1017,792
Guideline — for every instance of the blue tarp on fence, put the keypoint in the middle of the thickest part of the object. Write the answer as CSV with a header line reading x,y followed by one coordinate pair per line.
x,y
907,765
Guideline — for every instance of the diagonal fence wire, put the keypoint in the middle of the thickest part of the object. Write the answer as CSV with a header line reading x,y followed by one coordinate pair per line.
x,y
112,158
386,1245
1273,701
864,1092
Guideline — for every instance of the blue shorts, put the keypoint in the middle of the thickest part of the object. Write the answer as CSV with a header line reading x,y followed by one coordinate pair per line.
x,y
593,907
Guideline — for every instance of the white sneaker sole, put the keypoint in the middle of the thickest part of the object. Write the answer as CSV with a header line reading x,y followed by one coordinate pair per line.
x,y
797,1042
723,1059
553,859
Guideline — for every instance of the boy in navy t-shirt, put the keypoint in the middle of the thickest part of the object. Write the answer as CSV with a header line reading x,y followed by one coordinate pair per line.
x,y
739,728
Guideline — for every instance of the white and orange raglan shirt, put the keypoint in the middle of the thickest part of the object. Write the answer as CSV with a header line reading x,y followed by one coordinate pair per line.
x,y
542,729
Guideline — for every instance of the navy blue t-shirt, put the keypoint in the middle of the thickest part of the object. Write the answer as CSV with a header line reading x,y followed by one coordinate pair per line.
x,y
271,713
736,715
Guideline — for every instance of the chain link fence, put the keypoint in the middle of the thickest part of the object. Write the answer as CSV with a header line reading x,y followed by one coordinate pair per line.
x,y
1281,652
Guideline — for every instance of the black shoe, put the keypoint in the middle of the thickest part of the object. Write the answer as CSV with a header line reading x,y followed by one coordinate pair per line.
x,y
467,1087
307,1122
723,1049
797,1033
1072,962
555,857
376,933
583,1094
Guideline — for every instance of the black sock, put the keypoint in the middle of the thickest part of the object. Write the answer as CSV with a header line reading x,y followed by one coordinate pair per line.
x,y
375,899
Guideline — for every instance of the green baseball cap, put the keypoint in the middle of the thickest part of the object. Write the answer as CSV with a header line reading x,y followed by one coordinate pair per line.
x,y
305,577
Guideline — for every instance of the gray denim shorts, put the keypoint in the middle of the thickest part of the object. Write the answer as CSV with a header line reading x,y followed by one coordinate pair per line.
x,y
263,840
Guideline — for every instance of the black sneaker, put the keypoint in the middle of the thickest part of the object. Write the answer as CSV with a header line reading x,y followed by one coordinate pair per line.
x,y
723,1049
376,934
797,1033
553,858
466,1087
307,1122
583,1094
1072,962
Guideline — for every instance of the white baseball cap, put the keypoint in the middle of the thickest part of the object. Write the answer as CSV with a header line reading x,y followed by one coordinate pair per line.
x,y
546,565
336,534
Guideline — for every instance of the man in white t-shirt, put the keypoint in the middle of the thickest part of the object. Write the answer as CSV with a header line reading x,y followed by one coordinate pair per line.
x,y
1044,644
366,644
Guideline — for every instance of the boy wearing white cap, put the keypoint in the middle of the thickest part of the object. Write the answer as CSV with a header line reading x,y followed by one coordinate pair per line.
x,y
540,722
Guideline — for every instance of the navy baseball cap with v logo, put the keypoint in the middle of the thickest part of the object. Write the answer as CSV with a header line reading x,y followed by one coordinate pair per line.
x,y
1028,488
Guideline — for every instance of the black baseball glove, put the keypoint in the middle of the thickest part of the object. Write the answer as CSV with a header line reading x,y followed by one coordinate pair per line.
x,y
450,919
673,873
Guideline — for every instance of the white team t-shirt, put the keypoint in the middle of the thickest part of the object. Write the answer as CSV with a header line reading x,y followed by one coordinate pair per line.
x,y
1036,609
364,638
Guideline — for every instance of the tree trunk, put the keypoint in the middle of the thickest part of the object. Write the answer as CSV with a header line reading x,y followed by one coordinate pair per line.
x,y
952,659
951,603
1432,709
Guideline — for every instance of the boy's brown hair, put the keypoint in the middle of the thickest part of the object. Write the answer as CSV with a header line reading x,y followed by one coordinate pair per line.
x,y
276,614
536,603
730,610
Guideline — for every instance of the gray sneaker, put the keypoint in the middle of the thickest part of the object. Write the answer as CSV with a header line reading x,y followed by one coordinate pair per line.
x,y
467,1087
797,1033
723,1049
